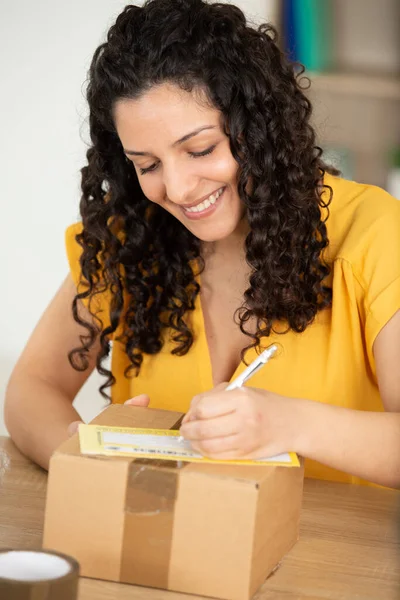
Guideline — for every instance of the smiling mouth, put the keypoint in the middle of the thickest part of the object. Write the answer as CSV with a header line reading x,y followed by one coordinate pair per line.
x,y
206,204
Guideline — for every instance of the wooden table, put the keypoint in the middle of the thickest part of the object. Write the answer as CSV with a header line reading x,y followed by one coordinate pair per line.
x,y
349,543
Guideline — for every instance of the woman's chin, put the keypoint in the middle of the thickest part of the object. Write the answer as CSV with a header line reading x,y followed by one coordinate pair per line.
x,y
213,233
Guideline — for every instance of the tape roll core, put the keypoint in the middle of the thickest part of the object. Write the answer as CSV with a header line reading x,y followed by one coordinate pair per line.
x,y
37,575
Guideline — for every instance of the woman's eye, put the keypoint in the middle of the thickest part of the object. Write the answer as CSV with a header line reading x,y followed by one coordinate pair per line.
x,y
143,171
204,153
153,167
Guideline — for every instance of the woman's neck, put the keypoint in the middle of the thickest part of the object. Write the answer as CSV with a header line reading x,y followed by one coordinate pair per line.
x,y
226,256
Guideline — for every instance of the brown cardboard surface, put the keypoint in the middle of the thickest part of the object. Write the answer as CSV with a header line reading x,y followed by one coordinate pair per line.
x,y
85,512
219,514
215,530
277,522
137,416
254,474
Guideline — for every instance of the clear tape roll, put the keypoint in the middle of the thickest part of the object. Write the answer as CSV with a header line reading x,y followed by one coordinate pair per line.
x,y
37,575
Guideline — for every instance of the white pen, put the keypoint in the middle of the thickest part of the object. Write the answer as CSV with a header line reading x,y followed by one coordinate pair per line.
x,y
251,370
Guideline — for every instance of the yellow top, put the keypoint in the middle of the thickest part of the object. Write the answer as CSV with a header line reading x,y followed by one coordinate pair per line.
x,y
332,360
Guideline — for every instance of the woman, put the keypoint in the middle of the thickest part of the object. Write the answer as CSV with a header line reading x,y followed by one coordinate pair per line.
x,y
210,229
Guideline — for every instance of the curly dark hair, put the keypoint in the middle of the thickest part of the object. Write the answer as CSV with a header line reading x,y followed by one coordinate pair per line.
x,y
139,252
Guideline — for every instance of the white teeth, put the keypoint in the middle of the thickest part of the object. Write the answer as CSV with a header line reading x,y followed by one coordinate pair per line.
x,y
206,203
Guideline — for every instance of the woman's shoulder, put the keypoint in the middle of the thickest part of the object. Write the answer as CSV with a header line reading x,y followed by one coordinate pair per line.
x,y
98,302
73,229
73,249
71,244
361,217
361,200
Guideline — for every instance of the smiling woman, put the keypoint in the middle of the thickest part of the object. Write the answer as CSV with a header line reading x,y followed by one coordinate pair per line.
x,y
192,177
211,228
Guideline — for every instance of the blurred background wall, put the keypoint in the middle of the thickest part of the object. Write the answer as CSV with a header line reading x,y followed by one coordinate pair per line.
x,y
351,52
45,52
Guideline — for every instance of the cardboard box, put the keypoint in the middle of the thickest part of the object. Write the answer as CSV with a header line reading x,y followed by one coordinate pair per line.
x,y
206,529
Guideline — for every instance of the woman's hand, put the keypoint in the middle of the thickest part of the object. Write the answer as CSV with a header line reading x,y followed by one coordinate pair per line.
x,y
73,428
141,400
242,423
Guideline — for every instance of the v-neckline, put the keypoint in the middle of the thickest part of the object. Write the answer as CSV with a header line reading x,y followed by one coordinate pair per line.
x,y
204,361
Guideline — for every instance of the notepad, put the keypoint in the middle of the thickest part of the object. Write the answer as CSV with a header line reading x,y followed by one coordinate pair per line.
x,y
161,444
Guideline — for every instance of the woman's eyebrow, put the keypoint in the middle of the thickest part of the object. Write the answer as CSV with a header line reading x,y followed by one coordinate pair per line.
x,y
180,141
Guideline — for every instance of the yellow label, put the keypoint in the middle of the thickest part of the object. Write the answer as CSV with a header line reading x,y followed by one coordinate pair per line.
x,y
159,444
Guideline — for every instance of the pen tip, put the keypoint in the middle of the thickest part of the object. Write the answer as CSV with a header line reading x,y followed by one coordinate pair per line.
x,y
270,351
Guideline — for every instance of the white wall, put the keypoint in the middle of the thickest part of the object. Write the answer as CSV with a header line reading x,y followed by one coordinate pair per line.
x,y
45,50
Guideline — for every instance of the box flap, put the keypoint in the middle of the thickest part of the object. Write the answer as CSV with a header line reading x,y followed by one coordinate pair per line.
x,y
119,415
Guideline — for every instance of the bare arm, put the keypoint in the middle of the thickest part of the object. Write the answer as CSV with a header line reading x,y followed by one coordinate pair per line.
x,y
43,385
251,423
366,444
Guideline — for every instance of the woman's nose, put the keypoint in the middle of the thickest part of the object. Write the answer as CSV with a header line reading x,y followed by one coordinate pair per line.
x,y
180,186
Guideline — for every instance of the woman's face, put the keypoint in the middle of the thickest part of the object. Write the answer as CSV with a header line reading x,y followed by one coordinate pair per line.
x,y
182,159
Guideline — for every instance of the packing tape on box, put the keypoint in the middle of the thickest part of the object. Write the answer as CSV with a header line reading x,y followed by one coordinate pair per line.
x,y
37,575
149,521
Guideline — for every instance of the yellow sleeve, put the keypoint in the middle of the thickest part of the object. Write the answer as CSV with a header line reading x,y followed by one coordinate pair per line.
x,y
378,266
98,304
